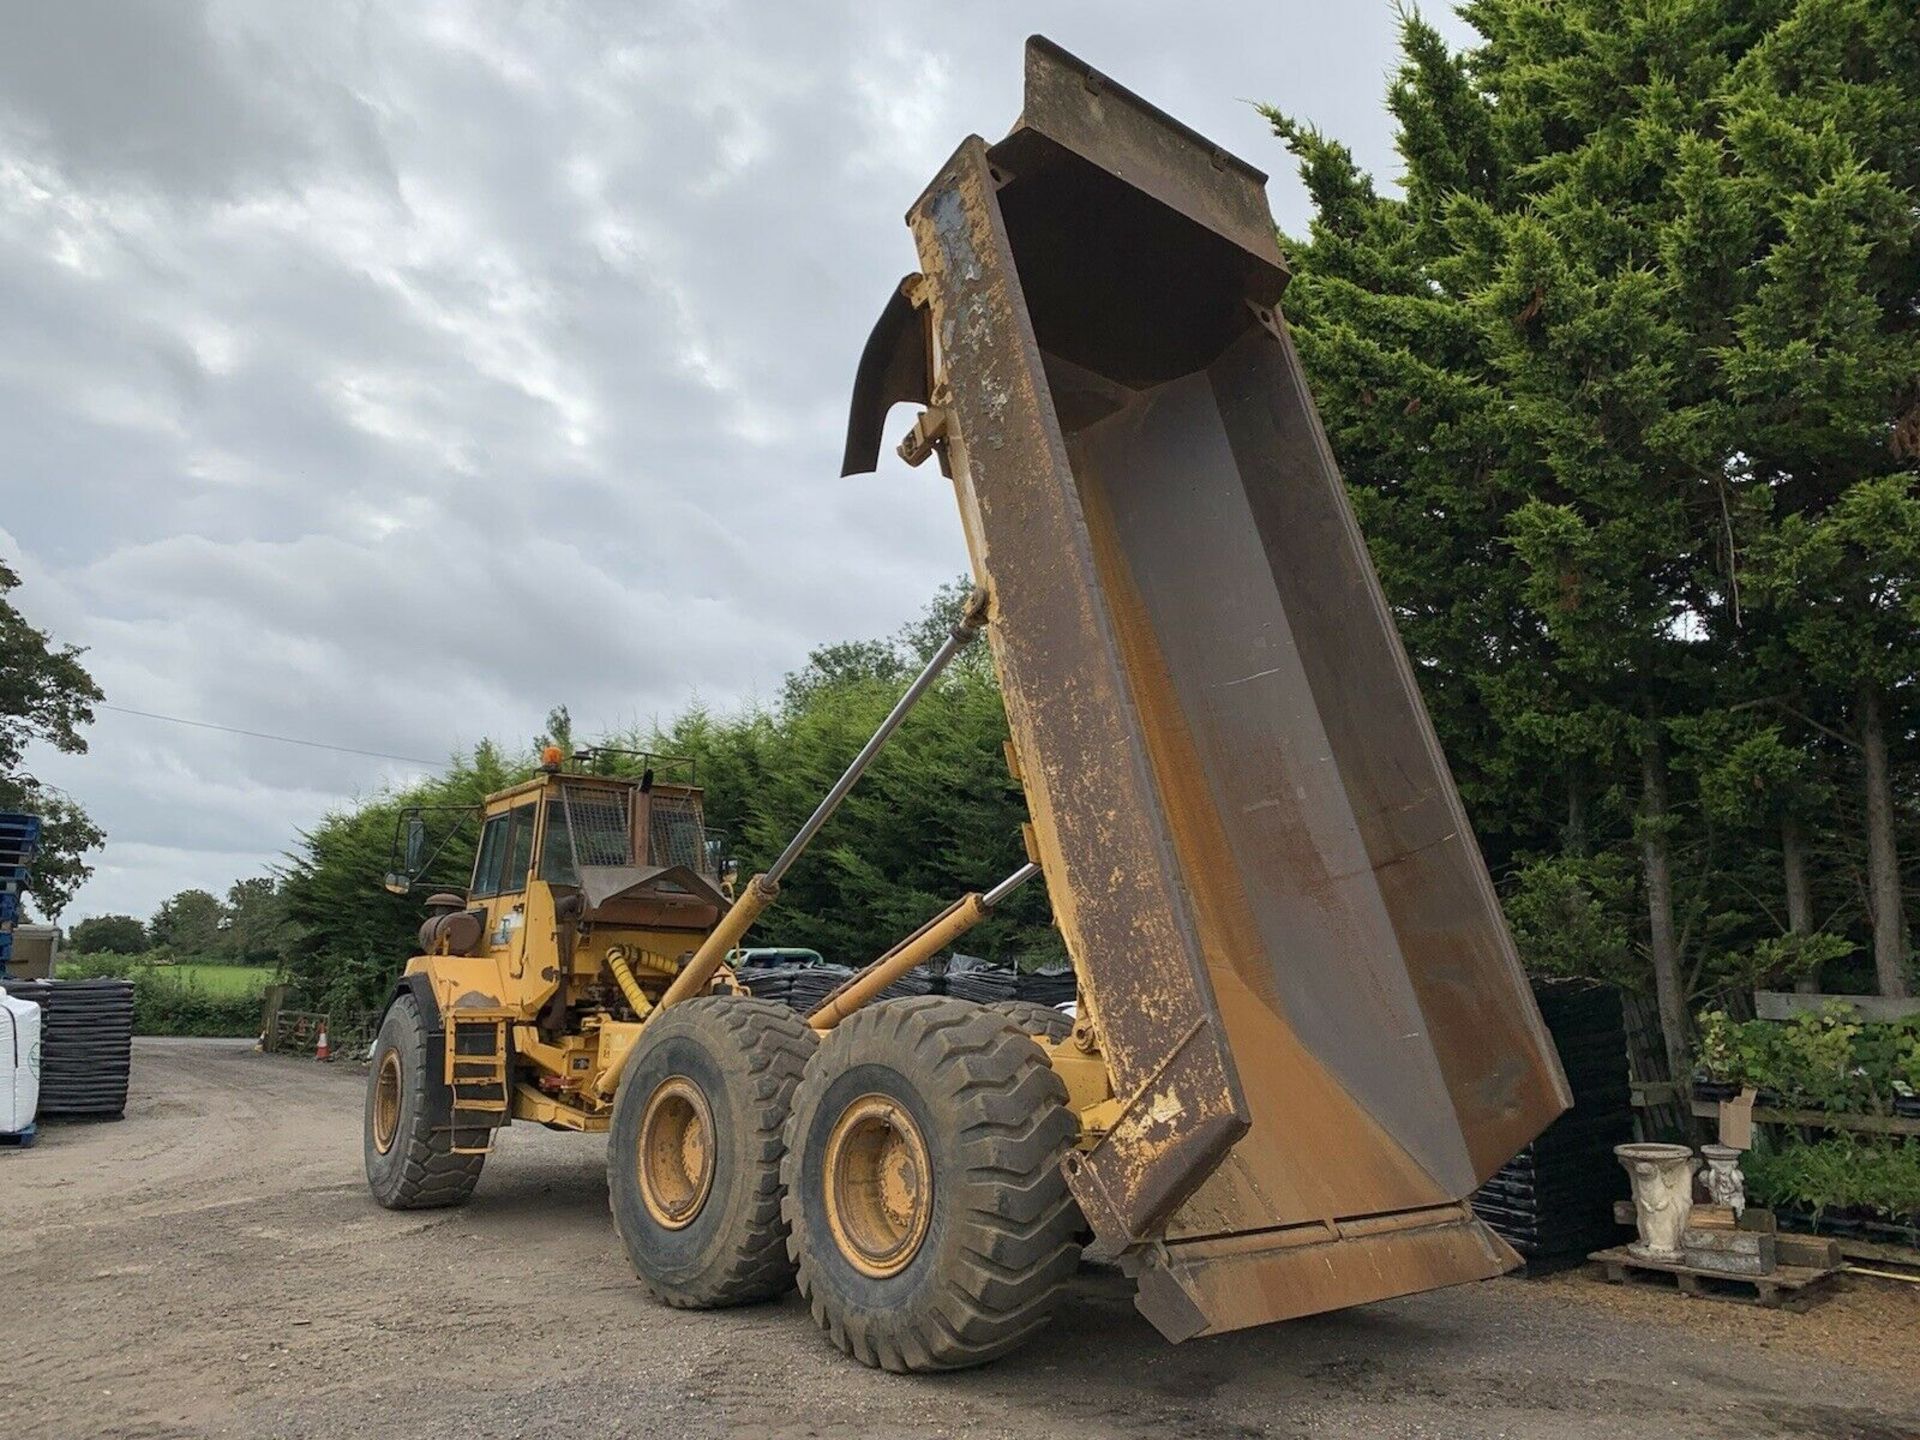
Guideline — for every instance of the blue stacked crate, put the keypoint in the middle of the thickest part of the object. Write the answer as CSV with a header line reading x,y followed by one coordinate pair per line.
x,y
19,839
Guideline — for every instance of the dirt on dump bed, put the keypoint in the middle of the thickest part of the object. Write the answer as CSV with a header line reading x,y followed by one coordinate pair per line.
x,y
212,1265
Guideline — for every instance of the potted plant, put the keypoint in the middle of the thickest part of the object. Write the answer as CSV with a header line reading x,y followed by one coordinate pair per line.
x,y
1724,1055
1906,1073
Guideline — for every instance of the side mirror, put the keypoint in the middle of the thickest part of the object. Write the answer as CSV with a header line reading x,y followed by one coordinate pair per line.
x,y
395,884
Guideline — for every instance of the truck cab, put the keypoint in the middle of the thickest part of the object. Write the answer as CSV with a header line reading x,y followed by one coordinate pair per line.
x,y
587,892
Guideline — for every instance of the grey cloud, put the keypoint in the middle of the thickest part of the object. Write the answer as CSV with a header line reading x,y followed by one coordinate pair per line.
x,y
167,95
384,374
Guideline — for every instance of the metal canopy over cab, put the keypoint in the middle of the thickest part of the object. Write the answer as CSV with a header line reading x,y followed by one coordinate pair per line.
x,y
1297,970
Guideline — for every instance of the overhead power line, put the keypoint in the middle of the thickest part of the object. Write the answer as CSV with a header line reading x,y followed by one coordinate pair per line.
x,y
262,735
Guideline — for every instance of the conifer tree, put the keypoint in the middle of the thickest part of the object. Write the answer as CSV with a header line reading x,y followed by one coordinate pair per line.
x,y
1625,385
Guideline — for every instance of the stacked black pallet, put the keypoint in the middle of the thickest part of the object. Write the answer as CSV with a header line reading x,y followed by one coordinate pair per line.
x,y
981,981
915,982
805,986
800,986
86,1043
1553,1202
1053,986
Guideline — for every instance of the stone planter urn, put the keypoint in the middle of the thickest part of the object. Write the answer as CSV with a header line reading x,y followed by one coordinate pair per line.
x,y
1662,1178
1726,1184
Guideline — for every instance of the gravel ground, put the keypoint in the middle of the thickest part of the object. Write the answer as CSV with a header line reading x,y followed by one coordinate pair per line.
x,y
212,1266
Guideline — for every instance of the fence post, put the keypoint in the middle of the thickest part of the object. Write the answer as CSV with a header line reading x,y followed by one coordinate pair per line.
x,y
270,1016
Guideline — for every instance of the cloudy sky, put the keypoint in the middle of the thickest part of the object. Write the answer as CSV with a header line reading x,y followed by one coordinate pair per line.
x,y
384,374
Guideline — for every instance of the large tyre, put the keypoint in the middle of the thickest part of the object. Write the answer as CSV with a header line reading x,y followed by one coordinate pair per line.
x,y
931,1224
407,1131
1042,1022
693,1158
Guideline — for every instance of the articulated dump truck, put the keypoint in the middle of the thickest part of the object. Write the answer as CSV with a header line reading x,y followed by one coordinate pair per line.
x,y
1303,1036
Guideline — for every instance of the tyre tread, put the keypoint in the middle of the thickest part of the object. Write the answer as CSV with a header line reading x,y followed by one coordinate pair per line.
x,y
1005,1276
432,1175
776,1044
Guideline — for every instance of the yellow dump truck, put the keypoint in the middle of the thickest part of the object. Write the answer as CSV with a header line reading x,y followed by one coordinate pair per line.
x,y
1303,1036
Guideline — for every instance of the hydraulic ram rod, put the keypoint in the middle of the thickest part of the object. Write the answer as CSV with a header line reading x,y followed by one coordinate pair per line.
x,y
761,890
926,942
957,640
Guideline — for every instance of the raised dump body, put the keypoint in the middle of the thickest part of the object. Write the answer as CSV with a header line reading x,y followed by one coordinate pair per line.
x,y
1301,982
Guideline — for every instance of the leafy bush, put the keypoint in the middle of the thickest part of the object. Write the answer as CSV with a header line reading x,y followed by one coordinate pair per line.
x,y
1781,960
1824,1061
1571,915
169,1000
120,934
165,1006
107,966
1843,1172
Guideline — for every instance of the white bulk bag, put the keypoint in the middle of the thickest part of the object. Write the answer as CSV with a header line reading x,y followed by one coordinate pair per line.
x,y
20,1058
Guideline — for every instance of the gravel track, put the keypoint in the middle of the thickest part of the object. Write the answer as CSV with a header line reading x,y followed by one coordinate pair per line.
x,y
213,1265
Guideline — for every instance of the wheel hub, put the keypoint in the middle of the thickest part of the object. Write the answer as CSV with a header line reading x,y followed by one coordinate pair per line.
x,y
676,1152
879,1186
386,1102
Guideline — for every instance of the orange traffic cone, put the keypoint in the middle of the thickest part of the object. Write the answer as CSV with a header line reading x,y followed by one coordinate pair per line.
x,y
322,1050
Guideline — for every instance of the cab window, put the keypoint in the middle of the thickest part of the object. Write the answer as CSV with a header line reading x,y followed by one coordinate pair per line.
x,y
599,828
519,851
556,855
506,849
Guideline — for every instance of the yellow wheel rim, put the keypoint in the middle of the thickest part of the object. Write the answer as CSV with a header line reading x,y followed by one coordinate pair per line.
x,y
879,1186
676,1152
386,1102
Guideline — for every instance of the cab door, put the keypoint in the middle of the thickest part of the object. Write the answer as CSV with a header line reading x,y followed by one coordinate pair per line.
x,y
500,873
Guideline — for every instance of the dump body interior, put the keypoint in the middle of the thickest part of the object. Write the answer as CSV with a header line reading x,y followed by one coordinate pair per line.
x,y
1255,851
1343,909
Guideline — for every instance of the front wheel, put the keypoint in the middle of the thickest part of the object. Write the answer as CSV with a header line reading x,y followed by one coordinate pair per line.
x,y
407,1129
932,1227
693,1156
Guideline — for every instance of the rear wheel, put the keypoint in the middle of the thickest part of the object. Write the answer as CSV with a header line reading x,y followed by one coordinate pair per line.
x,y
693,1156
407,1130
931,1225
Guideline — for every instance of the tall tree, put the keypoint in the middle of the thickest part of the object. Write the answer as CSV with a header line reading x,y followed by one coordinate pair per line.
x,y
257,929
559,732
1553,371
1849,579
108,935
188,923
1820,166
936,815
349,936
45,695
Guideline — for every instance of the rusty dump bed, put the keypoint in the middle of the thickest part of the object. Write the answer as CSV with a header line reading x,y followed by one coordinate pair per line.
x,y
1281,922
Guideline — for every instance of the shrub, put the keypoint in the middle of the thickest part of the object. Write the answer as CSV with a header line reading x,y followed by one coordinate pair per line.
x,y
98,966
120,934
164,1006
1823,1061
166,1002
1855,1173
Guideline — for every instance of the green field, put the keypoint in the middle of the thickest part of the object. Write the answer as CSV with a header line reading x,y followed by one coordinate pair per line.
x,y
189,997
218,979
215,981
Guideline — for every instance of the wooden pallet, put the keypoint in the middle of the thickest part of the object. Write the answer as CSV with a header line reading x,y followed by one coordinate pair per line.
x,y
1788,1283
